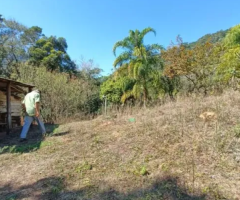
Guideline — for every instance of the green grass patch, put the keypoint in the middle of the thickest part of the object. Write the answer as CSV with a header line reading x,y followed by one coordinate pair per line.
x,y
25,148
237,131
83,167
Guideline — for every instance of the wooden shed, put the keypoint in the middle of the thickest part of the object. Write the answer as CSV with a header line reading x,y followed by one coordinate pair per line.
x,y
11,94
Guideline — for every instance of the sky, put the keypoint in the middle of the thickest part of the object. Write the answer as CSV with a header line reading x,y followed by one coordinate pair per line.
x,y
92,27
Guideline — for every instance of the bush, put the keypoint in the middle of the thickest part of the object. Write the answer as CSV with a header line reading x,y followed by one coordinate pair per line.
x,y
61,96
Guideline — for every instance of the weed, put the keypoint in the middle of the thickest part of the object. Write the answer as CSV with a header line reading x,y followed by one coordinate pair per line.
x,y
144,171
237,130
141,171
83,167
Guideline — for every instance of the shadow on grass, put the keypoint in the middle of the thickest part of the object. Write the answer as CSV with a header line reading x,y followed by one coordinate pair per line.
x,y
55,188
11,144
53,130
58,134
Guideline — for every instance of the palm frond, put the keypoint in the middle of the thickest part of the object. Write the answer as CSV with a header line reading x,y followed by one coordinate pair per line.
x,y
122,58
136,70
136,92
121,71
126,95
146,31
123,43
131,34
131,69
154,47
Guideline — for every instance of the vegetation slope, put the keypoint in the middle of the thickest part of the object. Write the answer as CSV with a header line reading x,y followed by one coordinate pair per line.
x,y
165,152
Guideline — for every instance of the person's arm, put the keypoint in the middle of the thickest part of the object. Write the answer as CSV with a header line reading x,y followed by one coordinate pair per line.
x,y
37,109
37,105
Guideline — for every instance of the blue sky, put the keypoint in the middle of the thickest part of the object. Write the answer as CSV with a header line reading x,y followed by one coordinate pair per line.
x,y
91,27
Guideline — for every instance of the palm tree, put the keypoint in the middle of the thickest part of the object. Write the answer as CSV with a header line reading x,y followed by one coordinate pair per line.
x,y
143,71
140,58
133,46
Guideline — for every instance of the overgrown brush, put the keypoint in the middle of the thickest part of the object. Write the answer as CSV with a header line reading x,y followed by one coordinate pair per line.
x,y
62,97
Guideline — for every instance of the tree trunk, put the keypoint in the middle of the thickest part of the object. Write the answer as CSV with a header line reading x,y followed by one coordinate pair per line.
x,y
144,96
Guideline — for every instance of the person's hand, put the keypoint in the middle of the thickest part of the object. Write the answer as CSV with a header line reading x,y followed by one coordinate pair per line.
x,y
37,114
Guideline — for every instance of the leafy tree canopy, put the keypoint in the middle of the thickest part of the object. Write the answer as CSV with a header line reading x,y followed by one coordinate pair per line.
x,y
51,52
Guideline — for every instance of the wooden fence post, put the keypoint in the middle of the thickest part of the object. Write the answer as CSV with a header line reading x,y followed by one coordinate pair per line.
x,y
9,110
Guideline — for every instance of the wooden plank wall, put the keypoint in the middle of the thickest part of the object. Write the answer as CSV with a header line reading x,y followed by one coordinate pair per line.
x,y
15,105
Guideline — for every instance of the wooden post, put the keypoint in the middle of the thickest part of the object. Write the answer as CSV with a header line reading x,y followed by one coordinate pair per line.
x,y
30,89
9,117
105,106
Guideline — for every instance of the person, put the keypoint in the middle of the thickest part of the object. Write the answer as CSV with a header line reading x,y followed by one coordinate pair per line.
x,y
31,106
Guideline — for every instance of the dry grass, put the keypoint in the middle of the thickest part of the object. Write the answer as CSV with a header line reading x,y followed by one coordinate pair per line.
x,y
166,152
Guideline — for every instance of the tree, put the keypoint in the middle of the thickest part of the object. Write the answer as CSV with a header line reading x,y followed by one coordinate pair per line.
x,y
15,40
12,50
197,66
133,46
51,53
143,71
140,58
31,35
112,90
233,37
230,60
88,70
90,74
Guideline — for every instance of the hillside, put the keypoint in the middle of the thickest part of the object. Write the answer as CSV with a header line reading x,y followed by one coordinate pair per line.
x,y
165,152
211,37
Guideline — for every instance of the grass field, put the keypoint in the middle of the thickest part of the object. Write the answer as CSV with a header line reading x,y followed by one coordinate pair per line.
x,y
164,152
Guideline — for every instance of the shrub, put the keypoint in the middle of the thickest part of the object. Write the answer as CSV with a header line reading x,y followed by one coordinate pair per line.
x,y
61,96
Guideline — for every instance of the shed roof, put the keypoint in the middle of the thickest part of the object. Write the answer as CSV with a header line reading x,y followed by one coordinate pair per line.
x,y
16,86
5,80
